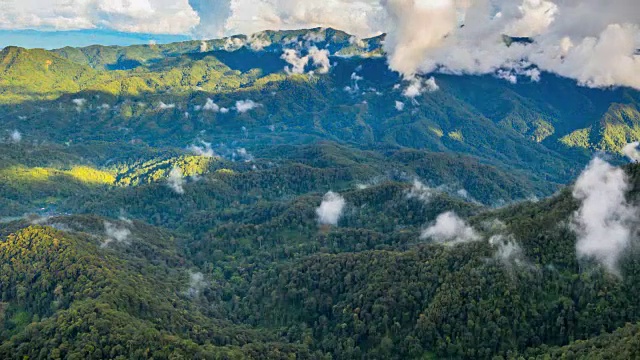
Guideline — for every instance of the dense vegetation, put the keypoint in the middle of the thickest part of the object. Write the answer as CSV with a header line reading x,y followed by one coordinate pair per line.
x,y
138,220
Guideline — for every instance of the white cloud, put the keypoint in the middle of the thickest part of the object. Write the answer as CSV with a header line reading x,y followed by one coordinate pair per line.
x,y
585,40
145,16
603,222
357,17
417,86
16,136
631,151
399,105
79,103
211,106
205,150
242,106
163,106
330,210
449,228
320,59
507,249
241,154
417,27
258,42
420,191
234,43
115,233
196,284
176,180
297,62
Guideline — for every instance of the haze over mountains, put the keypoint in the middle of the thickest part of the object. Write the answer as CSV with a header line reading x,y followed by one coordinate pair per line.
x,y
286,194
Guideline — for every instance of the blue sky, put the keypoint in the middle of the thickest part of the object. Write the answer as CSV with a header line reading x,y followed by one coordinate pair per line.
x,y
79,38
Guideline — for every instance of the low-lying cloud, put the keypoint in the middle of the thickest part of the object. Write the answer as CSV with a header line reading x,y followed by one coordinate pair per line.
x,y
421,191
205,150
243,106
450,229
163,106
318,58
115,233
604,221
15,136
331,208
507,249
417,86
631,151
196,284
213,107
176,180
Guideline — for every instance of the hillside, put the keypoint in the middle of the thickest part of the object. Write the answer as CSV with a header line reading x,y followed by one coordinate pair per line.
x,y
286,195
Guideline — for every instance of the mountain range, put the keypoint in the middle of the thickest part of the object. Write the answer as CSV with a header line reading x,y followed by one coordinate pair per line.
x,y
286,195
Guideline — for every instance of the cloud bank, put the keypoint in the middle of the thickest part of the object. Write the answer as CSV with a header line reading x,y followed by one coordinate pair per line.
x,y
330,210
603,224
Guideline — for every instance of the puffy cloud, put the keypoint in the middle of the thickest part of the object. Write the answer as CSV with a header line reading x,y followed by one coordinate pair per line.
x,y
176,180
417,27
163,106
631,151
535,18
241,154
79,103
426,36
330,210
115,233
399,105
258,42
297,62
205,150
15,136
449,228
143,16
598,61
603,221
211,106
417,86
320,60
242,106
358,17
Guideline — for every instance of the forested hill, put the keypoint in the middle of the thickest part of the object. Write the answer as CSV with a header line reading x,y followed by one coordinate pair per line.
x,y
285,195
